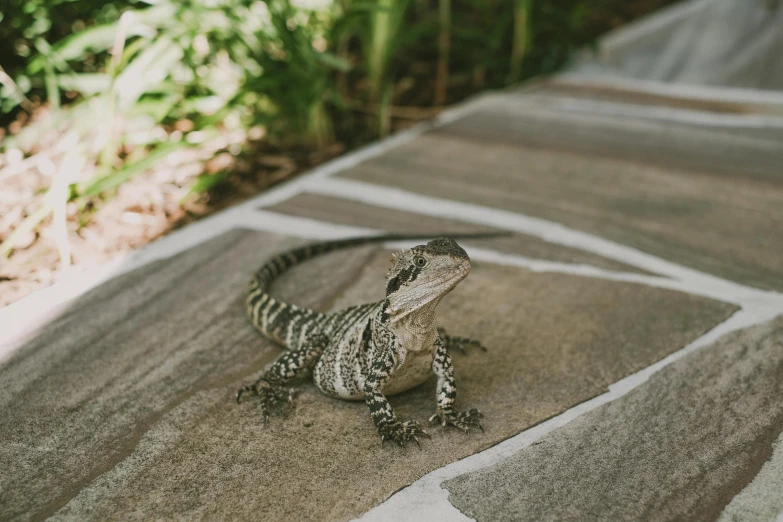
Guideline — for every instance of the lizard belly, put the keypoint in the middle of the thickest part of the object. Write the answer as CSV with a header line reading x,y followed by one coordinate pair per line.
x,y
416,369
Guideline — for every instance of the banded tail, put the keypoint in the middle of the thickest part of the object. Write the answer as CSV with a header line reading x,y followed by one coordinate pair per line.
x,y
287,323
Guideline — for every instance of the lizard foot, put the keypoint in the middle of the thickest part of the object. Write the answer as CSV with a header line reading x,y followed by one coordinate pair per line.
x,y
401,432
273,397
454,342
463,420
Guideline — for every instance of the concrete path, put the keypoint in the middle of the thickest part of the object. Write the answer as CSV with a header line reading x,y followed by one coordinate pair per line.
x,y
634,318
703,42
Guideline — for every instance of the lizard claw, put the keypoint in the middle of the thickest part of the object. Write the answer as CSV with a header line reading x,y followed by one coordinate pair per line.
x,y
272,397
462,420
401,432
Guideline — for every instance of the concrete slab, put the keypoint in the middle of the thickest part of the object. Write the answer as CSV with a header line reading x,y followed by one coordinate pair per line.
x,y
762,499
123,408
722,224
726,149
710,119
336,210
677,448
77,399
703,42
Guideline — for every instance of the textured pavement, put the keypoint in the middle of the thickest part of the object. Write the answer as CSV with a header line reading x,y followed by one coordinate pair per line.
x,y
644,184
131,415
679,447
634,319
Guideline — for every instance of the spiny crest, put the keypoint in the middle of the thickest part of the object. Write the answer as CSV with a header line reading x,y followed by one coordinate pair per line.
x,y
396,259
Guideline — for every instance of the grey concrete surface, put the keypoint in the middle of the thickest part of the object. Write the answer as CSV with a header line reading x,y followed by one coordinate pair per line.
x,y
720,213
722,149
702,42
679,447
762,499
335,210
123,408
78,398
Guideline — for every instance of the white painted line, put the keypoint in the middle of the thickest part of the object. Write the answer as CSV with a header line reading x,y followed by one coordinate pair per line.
x,y
753,97
425,499
692,280
657,112
319,230
304,227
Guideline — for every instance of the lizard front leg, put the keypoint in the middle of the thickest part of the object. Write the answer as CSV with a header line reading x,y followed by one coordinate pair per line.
x,y
454,342
447,394
389,428
270,386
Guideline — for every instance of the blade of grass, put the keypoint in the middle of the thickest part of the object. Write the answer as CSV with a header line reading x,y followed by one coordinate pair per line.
x,y
12,86
50,77
27,226
117,178
60,193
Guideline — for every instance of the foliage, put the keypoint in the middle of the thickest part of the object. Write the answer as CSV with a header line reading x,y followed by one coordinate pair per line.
x,y
132,81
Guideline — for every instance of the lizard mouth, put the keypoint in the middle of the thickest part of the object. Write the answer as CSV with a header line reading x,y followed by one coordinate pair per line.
x,y
439,288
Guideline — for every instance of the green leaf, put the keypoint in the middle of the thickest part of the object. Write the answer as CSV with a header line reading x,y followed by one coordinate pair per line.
x,y
158,108
94,39
333,61
147,71
127,172
86,84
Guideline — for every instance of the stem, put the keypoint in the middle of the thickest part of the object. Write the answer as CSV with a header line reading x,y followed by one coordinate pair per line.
x,y
28,225
519,46
444,47
109,152
384,112
9,82
70,167
380,38
50,77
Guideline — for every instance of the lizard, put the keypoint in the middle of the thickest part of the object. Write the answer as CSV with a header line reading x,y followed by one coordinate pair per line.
x,y
368,351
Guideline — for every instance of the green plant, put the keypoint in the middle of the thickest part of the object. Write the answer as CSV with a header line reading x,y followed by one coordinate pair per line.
x,y
218,64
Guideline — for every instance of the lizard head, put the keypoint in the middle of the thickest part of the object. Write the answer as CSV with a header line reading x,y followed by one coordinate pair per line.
x,y
424,274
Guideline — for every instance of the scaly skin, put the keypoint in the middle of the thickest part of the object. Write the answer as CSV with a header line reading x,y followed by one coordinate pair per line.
x,y
368,351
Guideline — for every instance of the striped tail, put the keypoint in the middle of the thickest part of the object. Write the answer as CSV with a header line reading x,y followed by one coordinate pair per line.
x,y
289,324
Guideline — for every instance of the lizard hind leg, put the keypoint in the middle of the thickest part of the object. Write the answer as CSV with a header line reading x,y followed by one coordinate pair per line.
x,y
270,387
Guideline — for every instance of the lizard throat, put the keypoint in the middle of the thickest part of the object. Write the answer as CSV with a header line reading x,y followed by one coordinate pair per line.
x,y
419,317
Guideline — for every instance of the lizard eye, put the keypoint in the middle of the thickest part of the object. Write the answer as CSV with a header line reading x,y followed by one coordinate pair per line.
x,y
420,261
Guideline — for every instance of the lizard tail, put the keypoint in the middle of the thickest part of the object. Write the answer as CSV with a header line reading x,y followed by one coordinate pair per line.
x,y
289,324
